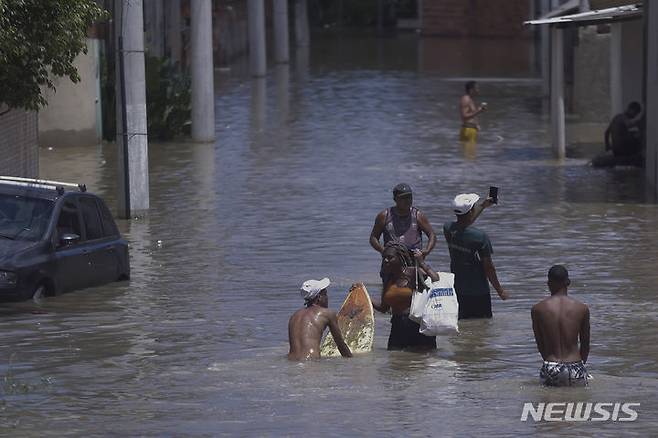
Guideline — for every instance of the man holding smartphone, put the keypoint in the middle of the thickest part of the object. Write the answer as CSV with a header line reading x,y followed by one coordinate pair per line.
x,y
470,257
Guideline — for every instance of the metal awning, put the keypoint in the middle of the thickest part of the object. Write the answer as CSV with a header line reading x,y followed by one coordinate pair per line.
x,y
564,9
619,13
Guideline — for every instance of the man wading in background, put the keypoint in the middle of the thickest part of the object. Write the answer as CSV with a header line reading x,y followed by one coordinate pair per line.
x,y
469,111
558,322
306,325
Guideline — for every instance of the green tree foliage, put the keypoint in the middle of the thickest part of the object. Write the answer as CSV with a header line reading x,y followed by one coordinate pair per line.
x,y
40,39
168,99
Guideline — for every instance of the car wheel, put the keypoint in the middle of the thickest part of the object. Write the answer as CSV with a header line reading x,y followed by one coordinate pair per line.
x,y
39,292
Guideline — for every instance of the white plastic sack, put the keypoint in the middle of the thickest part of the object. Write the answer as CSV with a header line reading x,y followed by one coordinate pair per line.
x,y
418,303
442,309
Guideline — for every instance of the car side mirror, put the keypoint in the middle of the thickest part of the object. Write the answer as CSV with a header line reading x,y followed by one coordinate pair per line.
x,y
68,239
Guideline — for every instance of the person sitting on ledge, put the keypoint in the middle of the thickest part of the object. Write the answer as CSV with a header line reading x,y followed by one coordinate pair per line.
x,y
624,138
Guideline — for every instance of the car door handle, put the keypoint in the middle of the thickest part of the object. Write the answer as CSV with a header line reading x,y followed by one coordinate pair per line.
x,y
110,249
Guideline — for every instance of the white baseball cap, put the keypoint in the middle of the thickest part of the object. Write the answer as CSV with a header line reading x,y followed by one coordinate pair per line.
x,y
464,202
311,288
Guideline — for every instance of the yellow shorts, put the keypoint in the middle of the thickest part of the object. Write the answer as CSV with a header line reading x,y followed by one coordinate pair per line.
x,y
468,134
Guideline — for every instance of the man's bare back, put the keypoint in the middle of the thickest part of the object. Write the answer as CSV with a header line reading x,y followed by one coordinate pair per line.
x,y
305,330
561,327
306,325
558,322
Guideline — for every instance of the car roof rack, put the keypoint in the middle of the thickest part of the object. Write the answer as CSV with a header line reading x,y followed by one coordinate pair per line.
x,y
42,183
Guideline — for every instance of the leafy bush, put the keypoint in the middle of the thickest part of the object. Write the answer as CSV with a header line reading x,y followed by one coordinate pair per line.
x,y
168,99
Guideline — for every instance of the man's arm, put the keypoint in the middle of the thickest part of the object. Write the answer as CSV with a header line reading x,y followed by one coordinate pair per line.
x,y
426,228
424,267
536,328
490,271
380,306
338,336
377,230
479,208
584,336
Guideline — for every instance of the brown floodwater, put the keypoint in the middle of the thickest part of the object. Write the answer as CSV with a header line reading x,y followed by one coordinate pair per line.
x,y
195,343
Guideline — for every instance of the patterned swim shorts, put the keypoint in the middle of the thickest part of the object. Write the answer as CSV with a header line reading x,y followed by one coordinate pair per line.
x,y
563,374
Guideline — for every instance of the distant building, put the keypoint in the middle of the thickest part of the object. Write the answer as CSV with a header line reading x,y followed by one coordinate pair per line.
x,y
476,38
475,18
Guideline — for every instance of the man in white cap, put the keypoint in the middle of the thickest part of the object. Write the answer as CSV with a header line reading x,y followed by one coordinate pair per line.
x,y
470,258
306,325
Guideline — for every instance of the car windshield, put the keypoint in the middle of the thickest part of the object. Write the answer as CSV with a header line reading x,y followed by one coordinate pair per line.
x,y
23,218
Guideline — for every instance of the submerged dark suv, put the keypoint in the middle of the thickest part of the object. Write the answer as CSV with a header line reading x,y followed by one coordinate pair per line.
x,y
56,237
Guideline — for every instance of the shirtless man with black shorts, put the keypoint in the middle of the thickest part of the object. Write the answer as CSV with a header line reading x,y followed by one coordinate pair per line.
x,y
559,322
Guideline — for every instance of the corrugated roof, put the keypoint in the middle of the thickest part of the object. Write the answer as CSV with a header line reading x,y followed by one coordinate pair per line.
x,y
620,13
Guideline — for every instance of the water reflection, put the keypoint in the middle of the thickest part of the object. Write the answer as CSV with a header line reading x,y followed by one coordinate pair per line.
x,y
282,77
470,148
258,105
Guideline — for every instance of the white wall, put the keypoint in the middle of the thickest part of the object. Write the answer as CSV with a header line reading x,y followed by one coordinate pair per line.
x,y
591,89
72,116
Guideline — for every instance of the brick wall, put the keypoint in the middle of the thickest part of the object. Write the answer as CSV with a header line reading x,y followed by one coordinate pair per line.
x,y
19,152
476,18
230,38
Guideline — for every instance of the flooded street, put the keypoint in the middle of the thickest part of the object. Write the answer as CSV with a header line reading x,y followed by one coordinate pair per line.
x,y
195,343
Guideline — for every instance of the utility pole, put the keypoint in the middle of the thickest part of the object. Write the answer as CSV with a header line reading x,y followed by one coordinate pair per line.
x,y
203,94
302,37
281,38
133,196
545,41
557,92
256,24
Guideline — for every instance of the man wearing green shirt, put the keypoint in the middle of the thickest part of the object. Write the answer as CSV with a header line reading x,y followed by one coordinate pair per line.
x,y
470,258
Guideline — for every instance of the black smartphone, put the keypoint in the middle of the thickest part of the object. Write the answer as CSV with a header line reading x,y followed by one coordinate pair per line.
x,y
493,194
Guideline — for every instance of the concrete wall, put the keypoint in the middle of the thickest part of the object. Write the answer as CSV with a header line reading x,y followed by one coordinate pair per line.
x,y
72,117
19,151
632,61
598,91
591,89
476,18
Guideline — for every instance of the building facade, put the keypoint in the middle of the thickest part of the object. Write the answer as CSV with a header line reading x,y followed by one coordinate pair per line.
x,y
19,150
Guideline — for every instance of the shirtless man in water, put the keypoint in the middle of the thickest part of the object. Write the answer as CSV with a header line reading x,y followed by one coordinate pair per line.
x,y
306,325
469,111
558,322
